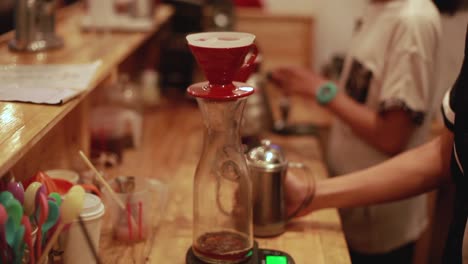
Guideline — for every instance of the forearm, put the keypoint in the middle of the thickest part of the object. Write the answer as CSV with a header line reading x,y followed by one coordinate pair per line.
x,y
411,173
388,133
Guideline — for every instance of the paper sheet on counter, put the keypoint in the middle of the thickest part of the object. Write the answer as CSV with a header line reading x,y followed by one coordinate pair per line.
x,y
45,83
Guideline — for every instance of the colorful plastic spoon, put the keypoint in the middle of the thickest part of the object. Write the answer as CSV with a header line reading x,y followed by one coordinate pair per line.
x,y
18,245
28,237
15,213
30,198
56,197
46,181
52,218
5,196
42,190
71,208
3,220
17,189
43,215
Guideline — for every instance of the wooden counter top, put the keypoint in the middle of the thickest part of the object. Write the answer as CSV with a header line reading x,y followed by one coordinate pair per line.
x,y
172,143
23,125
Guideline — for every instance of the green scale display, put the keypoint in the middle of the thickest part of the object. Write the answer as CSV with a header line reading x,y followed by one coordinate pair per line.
x,y
222,187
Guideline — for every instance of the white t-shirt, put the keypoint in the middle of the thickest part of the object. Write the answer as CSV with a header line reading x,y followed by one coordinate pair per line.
x,y
390,65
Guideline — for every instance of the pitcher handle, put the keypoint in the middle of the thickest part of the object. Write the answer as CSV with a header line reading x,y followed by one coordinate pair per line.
x,y
310,187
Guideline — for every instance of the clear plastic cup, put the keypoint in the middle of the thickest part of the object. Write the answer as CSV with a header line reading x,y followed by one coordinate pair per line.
x,y
143,207
69,175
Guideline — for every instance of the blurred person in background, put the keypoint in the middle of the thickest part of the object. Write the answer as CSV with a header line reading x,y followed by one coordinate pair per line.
x,y
384,104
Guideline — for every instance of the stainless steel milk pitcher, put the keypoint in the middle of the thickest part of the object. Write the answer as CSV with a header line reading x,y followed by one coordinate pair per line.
x,y
268,167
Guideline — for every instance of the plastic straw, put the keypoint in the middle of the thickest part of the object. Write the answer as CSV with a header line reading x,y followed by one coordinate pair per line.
x,y
103,181
140,219
129,221
107,186
89,240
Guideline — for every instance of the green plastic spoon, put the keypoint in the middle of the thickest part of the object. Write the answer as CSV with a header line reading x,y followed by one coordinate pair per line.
x,y
15,213
5,196
14,210
18,244
52,218
56,197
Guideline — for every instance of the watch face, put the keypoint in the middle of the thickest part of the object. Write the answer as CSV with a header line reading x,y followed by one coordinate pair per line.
x,y
326,93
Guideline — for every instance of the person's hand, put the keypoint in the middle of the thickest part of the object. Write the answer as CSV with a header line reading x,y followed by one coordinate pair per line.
x,y
296,79
296,191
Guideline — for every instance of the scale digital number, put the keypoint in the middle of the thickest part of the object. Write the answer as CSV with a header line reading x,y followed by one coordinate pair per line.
x,y
268,256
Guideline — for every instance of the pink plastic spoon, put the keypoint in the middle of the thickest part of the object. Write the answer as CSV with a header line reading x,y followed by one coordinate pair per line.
x,y
43,214
3,219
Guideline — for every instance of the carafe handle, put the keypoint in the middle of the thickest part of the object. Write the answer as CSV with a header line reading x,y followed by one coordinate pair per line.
x,y
310,187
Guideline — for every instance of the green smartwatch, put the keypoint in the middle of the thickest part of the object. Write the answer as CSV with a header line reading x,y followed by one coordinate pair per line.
x,y
326,93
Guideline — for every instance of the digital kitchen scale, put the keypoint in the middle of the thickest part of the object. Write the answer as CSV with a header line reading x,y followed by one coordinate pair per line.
x,y
259,256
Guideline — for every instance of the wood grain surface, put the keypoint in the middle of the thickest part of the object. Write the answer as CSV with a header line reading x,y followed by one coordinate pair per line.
x,y
25,126
172,143
32,134
283,39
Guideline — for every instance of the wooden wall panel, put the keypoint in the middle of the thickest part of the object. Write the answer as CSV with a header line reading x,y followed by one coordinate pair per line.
x,y
282,39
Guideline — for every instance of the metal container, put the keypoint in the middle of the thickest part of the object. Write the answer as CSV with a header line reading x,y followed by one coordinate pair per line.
x,y
268,167
257,114
35,26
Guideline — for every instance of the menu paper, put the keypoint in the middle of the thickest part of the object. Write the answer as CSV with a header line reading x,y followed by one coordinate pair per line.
x,y
45,83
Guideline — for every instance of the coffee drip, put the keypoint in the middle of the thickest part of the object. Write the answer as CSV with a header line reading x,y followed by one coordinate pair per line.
x,y
222,209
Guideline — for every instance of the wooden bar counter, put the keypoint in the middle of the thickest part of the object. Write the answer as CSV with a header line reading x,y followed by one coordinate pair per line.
x,y
34,136
172,141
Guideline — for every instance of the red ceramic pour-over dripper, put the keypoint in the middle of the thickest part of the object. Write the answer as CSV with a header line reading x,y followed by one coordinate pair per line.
x,y
221,56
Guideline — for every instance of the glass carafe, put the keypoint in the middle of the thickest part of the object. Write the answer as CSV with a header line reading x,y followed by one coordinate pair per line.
x,y
222,187
222,217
